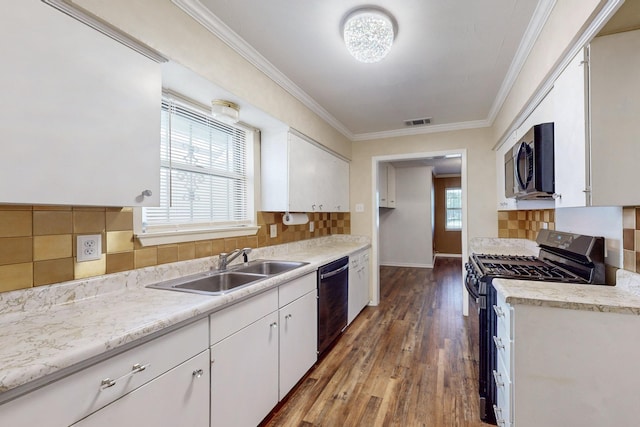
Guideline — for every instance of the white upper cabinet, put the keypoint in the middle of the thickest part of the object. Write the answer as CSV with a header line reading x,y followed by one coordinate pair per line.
x,y
80,116
597,154
299,176
386,186
570,156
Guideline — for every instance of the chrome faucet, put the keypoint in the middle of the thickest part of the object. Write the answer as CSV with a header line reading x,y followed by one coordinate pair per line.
x,y
226,258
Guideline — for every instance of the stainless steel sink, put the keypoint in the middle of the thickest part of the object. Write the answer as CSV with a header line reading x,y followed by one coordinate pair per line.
x,y
222,282
269,267
217,283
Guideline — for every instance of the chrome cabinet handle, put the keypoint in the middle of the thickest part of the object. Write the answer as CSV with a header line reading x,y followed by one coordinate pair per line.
x,y
288,316
108,382
498,411
198,373
147,193
497,377
274,325
313,207
498,342
498,310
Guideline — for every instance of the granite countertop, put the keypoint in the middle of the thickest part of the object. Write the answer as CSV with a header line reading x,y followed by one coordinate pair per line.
x,y
45,331
624,297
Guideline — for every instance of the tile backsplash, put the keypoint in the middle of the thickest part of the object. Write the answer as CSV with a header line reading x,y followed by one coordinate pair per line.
x,y
631,238
525,224
38,243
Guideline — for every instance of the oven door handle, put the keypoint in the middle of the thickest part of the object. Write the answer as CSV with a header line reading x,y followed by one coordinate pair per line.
x,y
471,290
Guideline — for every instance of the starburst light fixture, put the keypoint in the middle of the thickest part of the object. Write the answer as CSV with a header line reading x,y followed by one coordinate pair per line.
x,y
368,34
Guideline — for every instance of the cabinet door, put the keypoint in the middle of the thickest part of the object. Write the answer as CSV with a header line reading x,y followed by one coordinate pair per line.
x,y
570,141
244,375
504,203
391,186
303,175
179,397
615,109
298,340
338,187
85,128
382,186
358,284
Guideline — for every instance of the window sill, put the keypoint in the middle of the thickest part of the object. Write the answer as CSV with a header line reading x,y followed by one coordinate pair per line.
x,y
181,236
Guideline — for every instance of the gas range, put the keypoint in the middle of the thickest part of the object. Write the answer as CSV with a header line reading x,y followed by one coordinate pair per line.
x,y
563,257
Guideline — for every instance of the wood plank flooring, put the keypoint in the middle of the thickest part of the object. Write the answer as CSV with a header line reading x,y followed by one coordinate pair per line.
x,y
411,361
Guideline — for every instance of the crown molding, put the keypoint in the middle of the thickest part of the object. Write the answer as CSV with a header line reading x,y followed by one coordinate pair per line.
x,y
446,127
206,18
539,18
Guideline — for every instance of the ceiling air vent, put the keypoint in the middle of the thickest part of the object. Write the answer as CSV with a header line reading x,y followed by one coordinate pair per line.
x,y
418,122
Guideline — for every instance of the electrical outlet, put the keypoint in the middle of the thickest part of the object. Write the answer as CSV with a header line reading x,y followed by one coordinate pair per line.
x,y
273,230
311,226
89,247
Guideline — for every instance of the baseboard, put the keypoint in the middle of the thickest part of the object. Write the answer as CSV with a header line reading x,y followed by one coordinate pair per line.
x,y
448,255
405,264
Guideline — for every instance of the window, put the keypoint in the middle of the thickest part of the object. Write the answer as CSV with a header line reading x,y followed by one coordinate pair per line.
x,y
453,200
206,176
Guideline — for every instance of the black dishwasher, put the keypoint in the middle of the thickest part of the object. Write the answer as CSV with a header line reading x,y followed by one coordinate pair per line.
x,y
333,293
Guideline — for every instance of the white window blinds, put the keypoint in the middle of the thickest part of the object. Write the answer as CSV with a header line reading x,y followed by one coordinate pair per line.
x,y
203,172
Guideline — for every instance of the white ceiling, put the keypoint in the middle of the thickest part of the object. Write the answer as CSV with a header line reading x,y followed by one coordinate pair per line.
x,y
453,61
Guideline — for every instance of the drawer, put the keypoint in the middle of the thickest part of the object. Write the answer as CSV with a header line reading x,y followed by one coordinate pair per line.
x,y
296,288
231,319
84,392
503,313
502,408
504,346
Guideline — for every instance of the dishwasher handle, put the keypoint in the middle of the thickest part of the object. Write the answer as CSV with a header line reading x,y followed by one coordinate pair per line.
x,y
334,272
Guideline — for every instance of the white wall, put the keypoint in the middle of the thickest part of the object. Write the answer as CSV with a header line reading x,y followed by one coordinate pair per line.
x,y
598,221
406,238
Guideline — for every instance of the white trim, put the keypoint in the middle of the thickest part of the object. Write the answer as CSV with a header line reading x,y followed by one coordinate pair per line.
x,y
592,30
406,264
442,255
540,16
98,24
167,237
206,18
375,238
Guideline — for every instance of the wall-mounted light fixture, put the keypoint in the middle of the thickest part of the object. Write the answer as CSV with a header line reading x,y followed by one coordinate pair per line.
x,y
225,111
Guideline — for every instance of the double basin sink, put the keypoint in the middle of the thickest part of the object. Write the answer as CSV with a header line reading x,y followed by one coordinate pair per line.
x,y
219,282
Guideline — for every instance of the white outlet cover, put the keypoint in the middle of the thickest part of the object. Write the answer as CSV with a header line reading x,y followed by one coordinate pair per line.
x,y
359,207
89,247
311,226
273,230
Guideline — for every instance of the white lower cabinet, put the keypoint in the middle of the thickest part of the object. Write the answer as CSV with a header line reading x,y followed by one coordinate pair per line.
x,y
125,375
298,335
566,367
179,397
261,347
358,283
244,374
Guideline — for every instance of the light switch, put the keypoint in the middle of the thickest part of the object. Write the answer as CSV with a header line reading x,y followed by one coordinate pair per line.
x,y
273,230
359,207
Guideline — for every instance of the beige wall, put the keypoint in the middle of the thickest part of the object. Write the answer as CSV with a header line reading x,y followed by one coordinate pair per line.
x,y
482,220
163,26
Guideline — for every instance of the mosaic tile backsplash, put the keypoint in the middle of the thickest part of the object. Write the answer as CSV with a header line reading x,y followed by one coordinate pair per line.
x,y
525,224
37,243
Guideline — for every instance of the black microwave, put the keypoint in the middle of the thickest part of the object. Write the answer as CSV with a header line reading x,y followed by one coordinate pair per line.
x,y
528,166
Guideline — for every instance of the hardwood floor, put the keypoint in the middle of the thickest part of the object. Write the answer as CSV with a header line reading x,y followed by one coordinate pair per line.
x,y
411,361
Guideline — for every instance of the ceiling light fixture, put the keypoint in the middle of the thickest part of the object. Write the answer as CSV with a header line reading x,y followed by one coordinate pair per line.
x,y
225,111
369,33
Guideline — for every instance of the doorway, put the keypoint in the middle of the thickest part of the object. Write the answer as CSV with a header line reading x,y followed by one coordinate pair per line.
x,y
422,158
